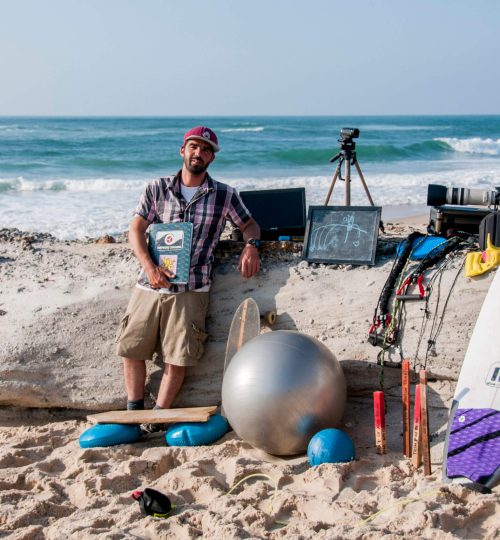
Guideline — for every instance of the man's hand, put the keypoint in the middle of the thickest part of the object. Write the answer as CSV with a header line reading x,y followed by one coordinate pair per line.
x,y
158,277
249,263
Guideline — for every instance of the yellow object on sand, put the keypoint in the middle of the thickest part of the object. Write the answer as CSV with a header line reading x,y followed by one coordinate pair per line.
x,y
480,262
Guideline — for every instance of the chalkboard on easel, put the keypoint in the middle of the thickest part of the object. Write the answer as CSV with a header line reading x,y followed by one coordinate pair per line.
x,y
342,234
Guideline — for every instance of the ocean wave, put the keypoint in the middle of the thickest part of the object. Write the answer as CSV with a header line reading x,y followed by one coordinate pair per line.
x,y
241,129
395,127
12,128
97,185
431,149
473,145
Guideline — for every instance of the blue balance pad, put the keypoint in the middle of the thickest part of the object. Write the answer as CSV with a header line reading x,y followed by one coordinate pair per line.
x,y
109,435
197,433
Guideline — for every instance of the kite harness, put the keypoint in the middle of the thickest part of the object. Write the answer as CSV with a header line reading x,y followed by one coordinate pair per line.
x,y
382,317
417,276
386,325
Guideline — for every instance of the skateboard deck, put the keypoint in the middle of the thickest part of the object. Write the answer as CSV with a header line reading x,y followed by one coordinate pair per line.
x,y
244,327
154,416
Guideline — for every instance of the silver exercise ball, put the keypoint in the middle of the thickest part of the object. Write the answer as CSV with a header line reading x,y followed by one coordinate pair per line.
x,y
280,389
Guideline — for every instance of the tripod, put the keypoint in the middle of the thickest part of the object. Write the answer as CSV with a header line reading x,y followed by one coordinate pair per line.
x,y
347,157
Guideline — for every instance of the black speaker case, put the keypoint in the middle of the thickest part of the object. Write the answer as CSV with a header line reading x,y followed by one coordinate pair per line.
x,y
460,218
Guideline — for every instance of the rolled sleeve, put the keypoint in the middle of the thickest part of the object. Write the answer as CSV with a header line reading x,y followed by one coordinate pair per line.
x,y
147,203
238,213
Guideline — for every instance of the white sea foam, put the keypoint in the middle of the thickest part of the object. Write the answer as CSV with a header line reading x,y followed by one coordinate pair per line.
x,y
385,189
105,206
233,130
101,185
473,145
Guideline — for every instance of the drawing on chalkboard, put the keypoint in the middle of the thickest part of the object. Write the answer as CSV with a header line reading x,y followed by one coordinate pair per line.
x,y
324,237
342,234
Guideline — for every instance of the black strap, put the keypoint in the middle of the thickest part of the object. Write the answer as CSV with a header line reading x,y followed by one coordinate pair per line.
x,y
388,289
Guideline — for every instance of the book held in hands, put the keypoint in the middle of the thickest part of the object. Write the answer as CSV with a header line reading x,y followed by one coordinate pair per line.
x,y
170,248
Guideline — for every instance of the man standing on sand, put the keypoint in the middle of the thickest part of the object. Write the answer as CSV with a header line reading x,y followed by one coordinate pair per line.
x,y
168,315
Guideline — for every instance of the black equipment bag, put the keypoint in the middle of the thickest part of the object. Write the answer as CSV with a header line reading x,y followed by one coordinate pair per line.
x,y
490,225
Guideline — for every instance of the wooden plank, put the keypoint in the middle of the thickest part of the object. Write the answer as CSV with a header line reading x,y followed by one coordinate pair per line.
x,y
154,416
405,385
424,424
379,416
417,447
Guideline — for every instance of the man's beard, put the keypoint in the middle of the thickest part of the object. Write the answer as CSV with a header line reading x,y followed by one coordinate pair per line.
x,y
196,167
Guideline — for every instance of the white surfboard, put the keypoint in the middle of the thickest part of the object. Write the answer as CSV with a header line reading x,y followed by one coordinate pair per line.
x,y
472,446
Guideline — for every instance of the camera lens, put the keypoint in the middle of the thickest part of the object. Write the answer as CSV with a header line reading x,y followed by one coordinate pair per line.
x,y
436,195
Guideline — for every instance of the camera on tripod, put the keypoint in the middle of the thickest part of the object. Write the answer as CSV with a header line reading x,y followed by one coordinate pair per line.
x,y
347,157
348,133
347,145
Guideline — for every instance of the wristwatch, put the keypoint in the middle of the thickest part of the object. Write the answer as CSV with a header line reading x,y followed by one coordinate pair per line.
x,y
253,242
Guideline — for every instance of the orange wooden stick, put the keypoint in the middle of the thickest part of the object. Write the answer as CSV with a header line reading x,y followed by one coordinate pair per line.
x,y
417,449
424,423
379,415
405,384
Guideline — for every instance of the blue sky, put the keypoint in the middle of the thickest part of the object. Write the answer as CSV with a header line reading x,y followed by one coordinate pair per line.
x,y
269,57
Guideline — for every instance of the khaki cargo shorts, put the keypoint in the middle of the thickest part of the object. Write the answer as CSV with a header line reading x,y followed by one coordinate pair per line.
x,y
171,323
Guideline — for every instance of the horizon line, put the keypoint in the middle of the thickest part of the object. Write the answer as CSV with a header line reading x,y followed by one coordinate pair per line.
x,y
140,116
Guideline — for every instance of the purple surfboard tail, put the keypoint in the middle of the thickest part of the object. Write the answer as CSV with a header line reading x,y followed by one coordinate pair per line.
x,y
474,445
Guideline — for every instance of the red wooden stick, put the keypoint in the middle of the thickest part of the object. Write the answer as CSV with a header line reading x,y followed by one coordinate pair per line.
x,y
405,384
379,415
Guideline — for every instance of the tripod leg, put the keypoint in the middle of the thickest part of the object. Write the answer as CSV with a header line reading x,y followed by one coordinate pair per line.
x,y
347,182
334,179
358,168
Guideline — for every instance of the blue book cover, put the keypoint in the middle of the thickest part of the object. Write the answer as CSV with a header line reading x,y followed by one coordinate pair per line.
x,y
170,248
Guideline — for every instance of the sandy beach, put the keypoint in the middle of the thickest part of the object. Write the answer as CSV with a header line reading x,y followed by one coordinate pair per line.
x,y
60,303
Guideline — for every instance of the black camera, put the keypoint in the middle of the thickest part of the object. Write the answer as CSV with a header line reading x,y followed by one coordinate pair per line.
x,y
347,145
349,133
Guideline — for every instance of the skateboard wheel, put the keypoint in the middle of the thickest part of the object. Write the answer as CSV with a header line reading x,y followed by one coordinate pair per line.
x,y
269,317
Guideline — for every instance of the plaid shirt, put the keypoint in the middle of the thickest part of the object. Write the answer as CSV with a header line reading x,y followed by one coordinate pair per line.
x,y
212,204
